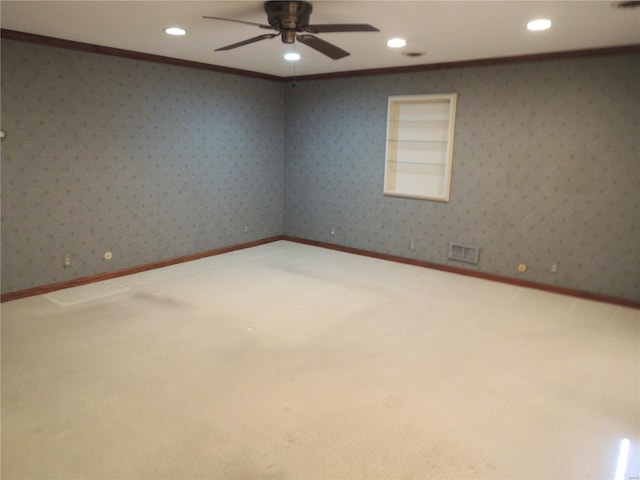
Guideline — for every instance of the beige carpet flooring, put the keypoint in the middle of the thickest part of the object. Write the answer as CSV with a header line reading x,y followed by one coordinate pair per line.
x,y
286,361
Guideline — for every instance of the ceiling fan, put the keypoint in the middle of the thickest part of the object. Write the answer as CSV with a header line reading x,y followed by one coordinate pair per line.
x,y
290,20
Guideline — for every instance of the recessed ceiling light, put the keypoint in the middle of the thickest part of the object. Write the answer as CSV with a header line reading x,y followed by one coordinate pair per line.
x,y
539,24
396,43
292,56
175,31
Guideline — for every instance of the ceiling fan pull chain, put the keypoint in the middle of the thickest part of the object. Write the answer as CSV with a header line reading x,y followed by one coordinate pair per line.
x,y
293,83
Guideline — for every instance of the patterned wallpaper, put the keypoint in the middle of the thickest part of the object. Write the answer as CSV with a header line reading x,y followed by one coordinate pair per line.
x,y
153,161
147,161
546,169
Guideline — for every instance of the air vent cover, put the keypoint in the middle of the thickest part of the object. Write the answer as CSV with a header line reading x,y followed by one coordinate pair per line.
x,y
464,253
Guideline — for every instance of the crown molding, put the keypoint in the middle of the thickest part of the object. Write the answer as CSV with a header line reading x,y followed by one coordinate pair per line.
x,y
147,57
130,54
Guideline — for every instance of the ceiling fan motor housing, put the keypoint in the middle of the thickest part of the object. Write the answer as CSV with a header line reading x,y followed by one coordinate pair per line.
x,y
288,17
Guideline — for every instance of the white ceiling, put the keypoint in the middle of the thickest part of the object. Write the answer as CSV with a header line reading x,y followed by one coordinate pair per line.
x,y
445,30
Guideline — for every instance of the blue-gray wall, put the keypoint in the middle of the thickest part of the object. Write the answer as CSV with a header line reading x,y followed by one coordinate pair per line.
x,y
546,169
153,161
145,160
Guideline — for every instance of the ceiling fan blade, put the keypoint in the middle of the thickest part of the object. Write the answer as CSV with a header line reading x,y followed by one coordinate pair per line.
x,y
341,27
326,48
247,42
261,25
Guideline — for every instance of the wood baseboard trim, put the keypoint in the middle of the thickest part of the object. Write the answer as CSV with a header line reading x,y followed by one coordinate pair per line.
x,y
52,287
471,273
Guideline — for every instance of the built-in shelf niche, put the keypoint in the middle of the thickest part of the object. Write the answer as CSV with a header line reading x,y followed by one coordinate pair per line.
x,y
420,146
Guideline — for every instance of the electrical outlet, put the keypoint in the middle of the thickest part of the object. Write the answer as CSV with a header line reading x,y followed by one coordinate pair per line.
x,y
333,232
246,228
66,262
554,267
412,246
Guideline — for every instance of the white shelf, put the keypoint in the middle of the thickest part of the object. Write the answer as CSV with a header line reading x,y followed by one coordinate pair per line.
x,y
420,146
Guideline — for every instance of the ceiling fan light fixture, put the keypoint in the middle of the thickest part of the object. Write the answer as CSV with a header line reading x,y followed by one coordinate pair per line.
x,y
175,31
396,43
292,56
539,24
288,36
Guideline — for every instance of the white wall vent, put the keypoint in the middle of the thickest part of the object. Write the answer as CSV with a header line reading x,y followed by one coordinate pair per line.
x,y
464,253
